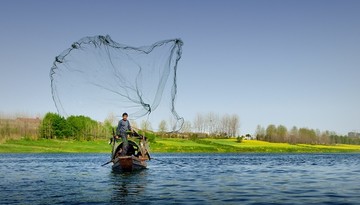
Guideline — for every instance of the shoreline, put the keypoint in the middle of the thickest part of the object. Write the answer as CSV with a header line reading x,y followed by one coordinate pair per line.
x,y
173,145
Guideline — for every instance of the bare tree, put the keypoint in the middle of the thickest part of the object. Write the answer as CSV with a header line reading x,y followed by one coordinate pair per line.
x,y
186,128
294,135
234,124
172,123
199,123
111,119
225,124
260,132
214,124
211,123
145,125
163,126
325,137
134,124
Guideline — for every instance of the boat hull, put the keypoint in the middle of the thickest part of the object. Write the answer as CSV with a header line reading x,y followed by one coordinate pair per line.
x,y
129,163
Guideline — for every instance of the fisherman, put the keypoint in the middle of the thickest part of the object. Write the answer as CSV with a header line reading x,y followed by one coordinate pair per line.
x,y
122,130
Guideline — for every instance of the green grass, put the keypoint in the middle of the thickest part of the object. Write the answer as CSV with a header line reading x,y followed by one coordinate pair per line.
x,y
180,145
171,145
54,146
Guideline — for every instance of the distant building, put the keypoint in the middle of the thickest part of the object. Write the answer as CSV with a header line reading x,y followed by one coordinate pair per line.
x,y
354,134
248,137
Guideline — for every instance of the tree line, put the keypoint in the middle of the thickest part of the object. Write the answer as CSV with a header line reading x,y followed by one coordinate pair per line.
x,y
54,126
295,135
210,124
18,127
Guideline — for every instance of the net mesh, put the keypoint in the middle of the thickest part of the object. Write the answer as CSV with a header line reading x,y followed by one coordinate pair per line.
x,y
97,76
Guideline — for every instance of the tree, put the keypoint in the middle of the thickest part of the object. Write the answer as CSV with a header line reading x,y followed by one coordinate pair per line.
x,y
239,139
199,123
260,132
54,126
307,136
271,132
211,122
325,137
234,124
225,125
186,128
282,134
111,119
163,126
145,125
82,127
294,135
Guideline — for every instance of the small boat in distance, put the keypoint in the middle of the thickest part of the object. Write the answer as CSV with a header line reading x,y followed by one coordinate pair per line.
x,y
136,156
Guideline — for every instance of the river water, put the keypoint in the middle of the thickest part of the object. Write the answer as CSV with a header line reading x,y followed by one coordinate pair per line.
x,y
182,179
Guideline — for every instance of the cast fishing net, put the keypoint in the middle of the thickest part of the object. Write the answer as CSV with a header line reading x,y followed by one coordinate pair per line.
x,y
97,76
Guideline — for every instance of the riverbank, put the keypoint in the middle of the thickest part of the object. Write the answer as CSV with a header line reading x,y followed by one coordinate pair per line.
x,y
172,145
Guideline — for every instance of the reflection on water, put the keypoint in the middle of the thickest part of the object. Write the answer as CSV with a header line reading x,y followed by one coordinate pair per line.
x,y
127,186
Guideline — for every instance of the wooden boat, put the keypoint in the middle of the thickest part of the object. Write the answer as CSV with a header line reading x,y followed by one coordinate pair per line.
x,y
135,158
129,163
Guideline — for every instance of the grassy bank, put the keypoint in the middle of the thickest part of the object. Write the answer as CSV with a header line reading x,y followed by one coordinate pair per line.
x,y
230,145
54,146
170,146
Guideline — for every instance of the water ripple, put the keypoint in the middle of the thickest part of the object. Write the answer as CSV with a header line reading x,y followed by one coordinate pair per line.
x,y
182,179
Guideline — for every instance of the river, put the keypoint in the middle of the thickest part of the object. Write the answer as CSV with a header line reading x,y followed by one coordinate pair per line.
x,y
182,179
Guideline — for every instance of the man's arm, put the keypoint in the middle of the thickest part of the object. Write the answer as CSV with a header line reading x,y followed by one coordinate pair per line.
x,y
118,129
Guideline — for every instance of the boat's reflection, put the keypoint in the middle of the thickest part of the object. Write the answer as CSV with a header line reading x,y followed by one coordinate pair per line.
x,y
128,186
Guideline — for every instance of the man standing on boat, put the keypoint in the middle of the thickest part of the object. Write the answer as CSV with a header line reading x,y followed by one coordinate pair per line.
x,y
123,128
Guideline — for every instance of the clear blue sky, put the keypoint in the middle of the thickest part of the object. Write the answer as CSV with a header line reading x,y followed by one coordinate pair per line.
x,y
271,62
